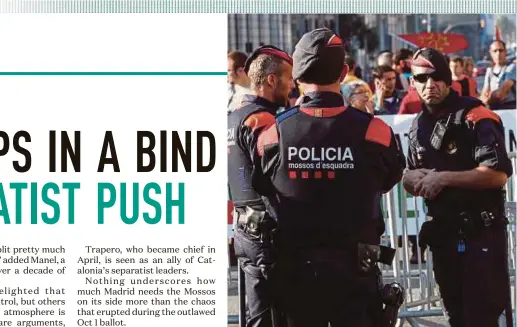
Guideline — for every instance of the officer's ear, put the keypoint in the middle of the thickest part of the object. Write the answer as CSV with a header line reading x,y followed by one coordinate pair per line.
x,y
343,73
272,80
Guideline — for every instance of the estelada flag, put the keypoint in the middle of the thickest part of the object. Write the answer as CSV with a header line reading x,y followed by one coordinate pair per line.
x,y
443,42
497,36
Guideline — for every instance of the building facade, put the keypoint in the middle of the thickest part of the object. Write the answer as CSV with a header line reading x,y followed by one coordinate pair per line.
x,y
248,32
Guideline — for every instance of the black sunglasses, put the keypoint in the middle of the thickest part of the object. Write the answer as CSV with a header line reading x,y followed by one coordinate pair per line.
x,y
422,78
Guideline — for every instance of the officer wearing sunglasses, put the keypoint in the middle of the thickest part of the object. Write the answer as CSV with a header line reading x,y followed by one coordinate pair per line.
x,y
458,162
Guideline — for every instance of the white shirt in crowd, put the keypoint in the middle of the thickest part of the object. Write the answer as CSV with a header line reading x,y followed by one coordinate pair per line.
x,y
236,92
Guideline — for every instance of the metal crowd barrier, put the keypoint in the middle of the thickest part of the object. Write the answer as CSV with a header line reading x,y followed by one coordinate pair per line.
x,y
422,294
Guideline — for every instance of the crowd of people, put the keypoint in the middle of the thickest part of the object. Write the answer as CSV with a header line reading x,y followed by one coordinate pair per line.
x,y
306,181
390,92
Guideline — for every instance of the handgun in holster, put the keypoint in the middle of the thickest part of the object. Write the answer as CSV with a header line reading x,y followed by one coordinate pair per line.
x,y
392,296
369,255
257,224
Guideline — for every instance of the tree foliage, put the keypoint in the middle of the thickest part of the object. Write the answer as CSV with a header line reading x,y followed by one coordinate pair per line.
x,y
352,27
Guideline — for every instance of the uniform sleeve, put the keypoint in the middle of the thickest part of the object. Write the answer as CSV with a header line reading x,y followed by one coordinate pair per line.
x,y
411,153
269,150
249,139
395,162
252,128
392,156
490,150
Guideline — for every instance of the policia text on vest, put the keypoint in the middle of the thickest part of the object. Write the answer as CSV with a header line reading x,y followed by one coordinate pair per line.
x,y
323,158
163,147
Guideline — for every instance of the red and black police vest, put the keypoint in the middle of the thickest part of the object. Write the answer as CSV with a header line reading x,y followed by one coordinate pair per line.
x,y
463,148
329,166
244,184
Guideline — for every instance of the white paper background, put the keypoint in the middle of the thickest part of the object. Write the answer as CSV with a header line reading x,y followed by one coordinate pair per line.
x,y
123,104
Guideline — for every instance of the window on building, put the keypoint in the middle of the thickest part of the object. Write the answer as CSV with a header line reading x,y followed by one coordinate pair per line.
x,y
332,25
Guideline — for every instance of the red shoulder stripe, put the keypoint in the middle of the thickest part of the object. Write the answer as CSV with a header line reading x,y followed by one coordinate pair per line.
x,y
378,132
323,112
481,112
259,120
268,137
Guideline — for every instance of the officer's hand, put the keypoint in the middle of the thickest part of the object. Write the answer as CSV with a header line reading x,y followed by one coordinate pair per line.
x,y
431,185
412,177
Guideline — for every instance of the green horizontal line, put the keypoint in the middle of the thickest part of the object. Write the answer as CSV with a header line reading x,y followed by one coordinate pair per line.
x,y
113,73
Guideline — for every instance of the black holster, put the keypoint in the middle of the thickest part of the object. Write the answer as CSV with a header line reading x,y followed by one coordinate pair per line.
x,y
254,239
431,234
392,296
465,224
369,255
257,223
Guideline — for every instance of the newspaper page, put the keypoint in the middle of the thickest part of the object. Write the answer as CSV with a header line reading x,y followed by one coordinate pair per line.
x,y
113,169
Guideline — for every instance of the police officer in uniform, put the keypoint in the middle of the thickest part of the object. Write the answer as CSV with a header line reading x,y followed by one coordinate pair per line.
x,y
328,163
458,163
269,70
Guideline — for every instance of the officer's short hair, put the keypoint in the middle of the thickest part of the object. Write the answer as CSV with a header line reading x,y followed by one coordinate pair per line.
x,y
379,71
238,58
262,66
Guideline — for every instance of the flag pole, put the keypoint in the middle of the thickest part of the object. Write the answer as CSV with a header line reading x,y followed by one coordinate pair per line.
x,y
403,40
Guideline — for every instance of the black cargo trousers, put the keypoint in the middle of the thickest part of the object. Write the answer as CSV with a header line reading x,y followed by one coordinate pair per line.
x,y
257,259
473,278
322,285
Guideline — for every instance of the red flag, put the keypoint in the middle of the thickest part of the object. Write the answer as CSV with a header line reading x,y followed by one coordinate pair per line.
x,y
497,34
443,42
